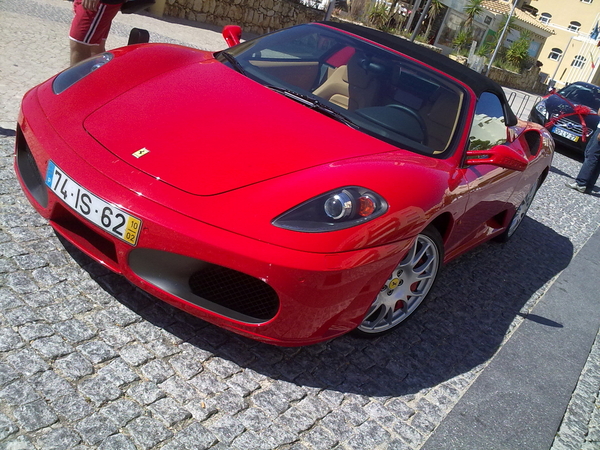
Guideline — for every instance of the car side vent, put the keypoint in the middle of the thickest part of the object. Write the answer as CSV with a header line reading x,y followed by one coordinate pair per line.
x,y
30,174
533,142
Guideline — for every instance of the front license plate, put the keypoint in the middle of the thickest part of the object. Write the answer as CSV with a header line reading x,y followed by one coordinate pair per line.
x,y
108,217
565,134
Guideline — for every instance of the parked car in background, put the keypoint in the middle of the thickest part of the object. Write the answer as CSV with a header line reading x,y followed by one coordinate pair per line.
x,y
570,114
291,188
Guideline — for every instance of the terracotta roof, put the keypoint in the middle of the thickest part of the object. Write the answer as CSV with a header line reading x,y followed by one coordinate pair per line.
x,y
504,7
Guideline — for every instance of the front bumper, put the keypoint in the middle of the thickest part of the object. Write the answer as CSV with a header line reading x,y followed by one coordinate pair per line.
x,y
263,291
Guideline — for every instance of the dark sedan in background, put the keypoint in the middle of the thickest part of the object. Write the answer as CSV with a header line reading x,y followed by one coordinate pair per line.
x,y
569,114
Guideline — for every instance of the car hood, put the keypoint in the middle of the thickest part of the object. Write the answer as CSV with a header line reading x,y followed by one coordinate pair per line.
x,y
558,105
206,129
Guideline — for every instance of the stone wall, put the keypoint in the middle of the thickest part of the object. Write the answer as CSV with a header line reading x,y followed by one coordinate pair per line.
x,y
528,81
254,16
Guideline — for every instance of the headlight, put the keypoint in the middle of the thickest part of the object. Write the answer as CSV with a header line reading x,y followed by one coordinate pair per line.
x,y
342,208
541,108
72,75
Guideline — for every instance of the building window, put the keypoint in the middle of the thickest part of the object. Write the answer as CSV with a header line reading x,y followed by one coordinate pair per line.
x,y
545,18
574,26
578,61
534,49
555,54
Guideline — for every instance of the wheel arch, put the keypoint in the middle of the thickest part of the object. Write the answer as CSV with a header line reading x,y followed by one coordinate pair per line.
x,y
443,224
543,176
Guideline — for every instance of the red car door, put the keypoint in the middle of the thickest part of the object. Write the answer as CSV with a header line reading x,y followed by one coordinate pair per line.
x,y
490,186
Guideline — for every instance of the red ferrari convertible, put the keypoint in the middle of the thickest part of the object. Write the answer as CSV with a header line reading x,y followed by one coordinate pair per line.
x,y
290,188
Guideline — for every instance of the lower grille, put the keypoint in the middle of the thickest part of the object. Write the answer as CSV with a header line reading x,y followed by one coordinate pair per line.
x,y
235,290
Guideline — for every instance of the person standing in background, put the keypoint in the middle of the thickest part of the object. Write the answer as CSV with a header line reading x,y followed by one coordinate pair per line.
x,y
90,27
590,170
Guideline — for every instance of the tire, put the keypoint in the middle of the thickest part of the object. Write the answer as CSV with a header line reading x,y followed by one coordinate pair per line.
x,y
519,214
407,287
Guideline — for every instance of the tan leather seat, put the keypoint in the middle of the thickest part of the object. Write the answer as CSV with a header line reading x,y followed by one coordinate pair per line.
x,y
335,88
351,86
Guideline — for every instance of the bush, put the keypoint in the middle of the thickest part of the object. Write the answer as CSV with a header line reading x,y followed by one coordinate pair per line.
x,y
486,49
517,54
357,9
379,16
463,40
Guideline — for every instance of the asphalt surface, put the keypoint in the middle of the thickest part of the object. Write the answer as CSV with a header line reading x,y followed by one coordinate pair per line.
x,y
503,355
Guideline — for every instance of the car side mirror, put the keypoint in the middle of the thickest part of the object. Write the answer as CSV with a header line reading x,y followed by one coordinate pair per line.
x,y
138,36
499,155
232,35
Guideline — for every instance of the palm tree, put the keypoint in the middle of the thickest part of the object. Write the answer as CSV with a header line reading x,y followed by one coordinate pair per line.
x,y
435,8
492,43
393,5
472,9
511,23
357,9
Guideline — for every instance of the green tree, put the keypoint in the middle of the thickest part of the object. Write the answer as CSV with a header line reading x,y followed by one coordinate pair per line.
x,y
435,8
473,8
462,40
489,44
379,16
518,52
393,5
486,49
511,24
357,9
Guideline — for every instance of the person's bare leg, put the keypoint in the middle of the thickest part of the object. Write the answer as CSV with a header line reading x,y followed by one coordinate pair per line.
x,y
97,49
79,52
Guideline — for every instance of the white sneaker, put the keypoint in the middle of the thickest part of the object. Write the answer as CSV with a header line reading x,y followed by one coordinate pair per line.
x,y
575,186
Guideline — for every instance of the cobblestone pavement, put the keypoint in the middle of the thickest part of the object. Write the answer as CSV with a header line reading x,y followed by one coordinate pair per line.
x,y
580,429
87,361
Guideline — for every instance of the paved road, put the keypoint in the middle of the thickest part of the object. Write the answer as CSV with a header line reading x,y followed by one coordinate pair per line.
x,y
87,361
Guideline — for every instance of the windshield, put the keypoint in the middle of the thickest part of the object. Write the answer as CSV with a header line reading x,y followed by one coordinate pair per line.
x,y
375,90
580,94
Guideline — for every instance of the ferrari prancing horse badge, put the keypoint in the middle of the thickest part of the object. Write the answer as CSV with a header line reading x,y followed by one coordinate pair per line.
x,y
141,152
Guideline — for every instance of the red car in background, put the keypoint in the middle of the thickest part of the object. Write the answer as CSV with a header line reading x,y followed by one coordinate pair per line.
x,y
291,188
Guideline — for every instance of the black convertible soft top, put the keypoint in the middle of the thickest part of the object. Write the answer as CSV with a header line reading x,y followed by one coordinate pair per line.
x,y
476,81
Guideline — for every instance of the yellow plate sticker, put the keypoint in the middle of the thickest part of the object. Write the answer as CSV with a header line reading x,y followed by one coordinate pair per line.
x,y
132,230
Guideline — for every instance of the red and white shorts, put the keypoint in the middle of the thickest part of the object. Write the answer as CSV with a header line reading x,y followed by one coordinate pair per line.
x,y
92,27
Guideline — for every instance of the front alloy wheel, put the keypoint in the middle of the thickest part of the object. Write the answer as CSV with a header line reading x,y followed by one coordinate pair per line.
x,y
407,286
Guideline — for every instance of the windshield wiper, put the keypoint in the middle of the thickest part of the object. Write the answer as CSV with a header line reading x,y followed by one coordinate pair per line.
x,y
233,61
315,104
